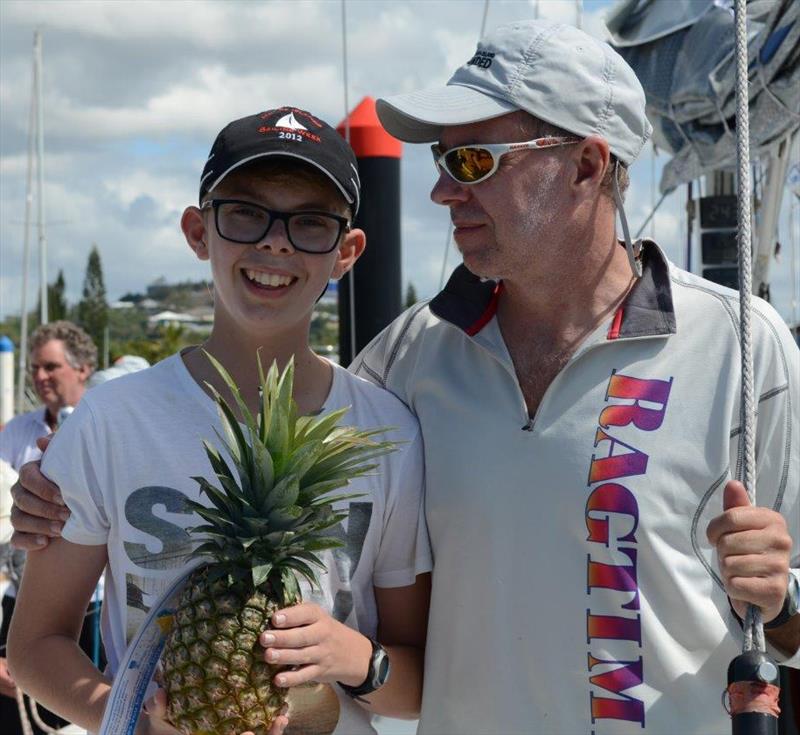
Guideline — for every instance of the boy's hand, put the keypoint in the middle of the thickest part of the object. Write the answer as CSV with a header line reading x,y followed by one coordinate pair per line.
x,y
39,512
753,545
7,686
321,648
154,719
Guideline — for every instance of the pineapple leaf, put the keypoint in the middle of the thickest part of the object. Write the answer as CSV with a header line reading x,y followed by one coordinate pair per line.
x,y
310,428
264,474
291,590
284,493
303,458
224,503
247,416
320,543
261,573
303,569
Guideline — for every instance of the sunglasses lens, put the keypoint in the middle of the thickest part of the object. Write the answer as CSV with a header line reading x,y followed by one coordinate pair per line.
x,y
469,164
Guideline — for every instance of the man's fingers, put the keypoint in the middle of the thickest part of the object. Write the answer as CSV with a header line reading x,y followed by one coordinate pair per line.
x,y
156,706
761,568
300,676
740,519
33,505
755,542
43,441
291,638
303,614
735,496
279,724
28,541
293,656
32,480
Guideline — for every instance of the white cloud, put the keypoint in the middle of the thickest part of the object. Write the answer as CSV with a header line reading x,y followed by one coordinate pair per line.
x,y
134,93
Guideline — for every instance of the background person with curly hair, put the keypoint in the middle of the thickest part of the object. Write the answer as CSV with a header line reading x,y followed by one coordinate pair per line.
x,y
62,358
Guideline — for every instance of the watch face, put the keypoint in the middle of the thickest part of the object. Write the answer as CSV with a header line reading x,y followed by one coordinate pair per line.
x,y
382,669
793,593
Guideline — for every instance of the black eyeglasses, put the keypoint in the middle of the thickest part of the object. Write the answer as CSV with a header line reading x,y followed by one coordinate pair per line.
x,y
248,223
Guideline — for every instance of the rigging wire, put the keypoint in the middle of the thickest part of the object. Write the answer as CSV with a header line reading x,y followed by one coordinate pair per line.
x,y
653,154
22,360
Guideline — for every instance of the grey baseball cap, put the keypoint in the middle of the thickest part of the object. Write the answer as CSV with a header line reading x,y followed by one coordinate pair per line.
x,y
554,71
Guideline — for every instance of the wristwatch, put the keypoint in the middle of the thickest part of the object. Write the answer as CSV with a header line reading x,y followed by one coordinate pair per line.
x,y
377,674
791,604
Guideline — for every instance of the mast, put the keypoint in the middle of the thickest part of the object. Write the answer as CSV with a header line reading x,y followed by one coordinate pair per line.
x,y
22,357
37,75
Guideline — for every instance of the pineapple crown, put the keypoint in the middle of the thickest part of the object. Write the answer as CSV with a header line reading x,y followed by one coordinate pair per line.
x,y
266,522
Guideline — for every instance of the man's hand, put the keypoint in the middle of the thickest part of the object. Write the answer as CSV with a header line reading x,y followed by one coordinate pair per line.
x,y
153,720
753,545
7,686
321,648
38,513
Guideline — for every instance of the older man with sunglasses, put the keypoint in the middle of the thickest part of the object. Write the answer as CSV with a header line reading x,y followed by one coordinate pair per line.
x,y
579,399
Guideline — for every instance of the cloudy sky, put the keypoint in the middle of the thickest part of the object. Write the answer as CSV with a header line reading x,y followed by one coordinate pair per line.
x,y
134,93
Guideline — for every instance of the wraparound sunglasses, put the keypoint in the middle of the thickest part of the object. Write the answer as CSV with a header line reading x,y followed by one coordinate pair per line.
x,y
471,164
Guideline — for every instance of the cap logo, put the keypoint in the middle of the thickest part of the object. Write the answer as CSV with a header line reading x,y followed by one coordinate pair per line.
x,y
288,127
483,59
290,121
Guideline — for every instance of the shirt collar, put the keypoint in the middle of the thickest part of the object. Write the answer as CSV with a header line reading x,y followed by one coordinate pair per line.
x,y
469,302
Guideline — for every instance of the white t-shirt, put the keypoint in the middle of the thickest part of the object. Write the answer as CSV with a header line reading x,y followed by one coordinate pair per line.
x,y
18,437
124,462
17,447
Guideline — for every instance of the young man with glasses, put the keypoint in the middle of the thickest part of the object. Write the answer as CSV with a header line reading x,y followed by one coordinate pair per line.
x,y
278,196
579,401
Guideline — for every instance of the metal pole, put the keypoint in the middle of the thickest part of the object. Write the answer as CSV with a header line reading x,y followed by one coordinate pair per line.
x,y
22,358
689,218
350,275
37,45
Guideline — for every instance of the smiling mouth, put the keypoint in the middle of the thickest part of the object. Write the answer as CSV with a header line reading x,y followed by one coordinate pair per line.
x,y
269,281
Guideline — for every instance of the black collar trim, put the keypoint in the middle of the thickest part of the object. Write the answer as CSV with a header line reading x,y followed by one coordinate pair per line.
x,y
469,302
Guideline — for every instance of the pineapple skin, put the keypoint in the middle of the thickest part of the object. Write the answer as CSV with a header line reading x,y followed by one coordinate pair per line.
x,y
215,676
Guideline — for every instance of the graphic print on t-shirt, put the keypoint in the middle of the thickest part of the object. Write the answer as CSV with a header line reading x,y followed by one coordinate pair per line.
x,y
162,513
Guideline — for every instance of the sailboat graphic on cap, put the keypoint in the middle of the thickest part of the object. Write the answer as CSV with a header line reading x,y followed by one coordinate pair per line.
x,y
289,121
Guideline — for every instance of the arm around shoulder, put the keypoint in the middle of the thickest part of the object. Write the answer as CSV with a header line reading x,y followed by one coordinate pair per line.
x,y
56,587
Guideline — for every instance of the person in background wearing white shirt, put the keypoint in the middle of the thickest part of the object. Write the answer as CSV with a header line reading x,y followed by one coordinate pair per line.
x,y
62,359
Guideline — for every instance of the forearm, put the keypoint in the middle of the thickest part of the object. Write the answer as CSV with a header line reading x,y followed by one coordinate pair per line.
x,y
401,695
55,672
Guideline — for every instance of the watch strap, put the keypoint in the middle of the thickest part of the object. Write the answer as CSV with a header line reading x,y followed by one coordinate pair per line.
x,y
377,673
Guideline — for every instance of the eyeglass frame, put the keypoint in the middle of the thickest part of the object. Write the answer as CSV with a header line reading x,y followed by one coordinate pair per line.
x,y
275,214
497,151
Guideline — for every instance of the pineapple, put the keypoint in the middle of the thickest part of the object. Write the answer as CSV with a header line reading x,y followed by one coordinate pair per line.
x,y
264,529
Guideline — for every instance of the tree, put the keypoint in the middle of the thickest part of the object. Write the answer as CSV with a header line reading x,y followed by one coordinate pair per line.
x,y
56,302
411,295
93,308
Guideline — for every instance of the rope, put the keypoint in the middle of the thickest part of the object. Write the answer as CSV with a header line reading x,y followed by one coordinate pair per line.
x,y
753,628
23,713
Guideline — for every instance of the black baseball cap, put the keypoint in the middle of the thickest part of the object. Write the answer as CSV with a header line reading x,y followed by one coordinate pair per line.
x,y
285,131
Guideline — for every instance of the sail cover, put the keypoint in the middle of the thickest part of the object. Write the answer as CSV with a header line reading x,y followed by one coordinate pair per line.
x,y
683,53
